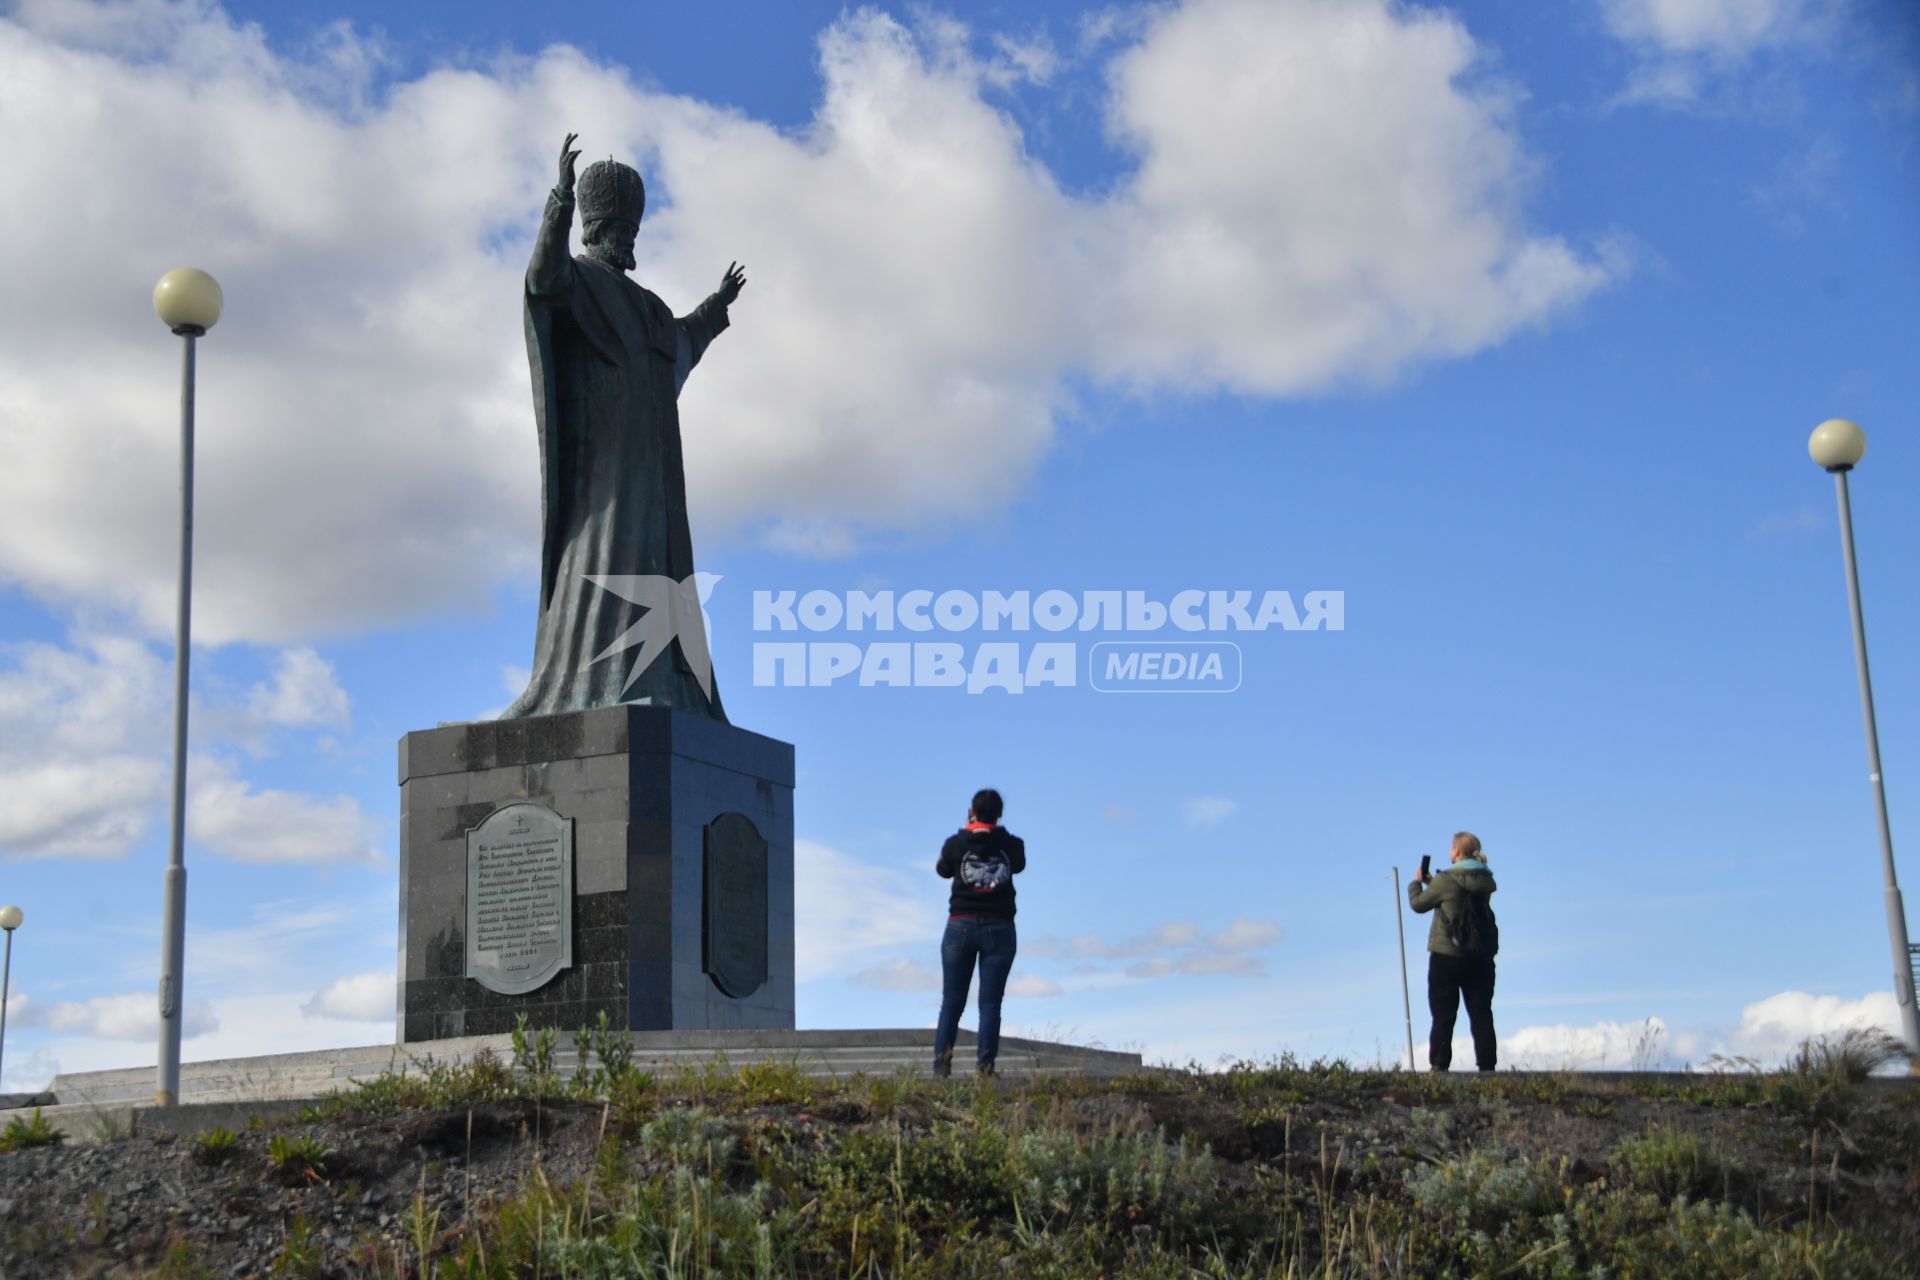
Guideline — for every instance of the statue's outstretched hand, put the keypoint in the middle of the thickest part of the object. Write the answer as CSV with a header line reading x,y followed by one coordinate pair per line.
x,y
567,157
732,283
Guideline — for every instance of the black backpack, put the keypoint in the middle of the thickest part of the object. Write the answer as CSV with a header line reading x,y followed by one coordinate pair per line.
x,y
1473,930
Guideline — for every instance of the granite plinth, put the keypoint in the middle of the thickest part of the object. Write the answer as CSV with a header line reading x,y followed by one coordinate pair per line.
x,y
641,786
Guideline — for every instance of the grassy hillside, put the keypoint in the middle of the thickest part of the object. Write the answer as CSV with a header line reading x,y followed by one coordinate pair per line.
x,y
1278,1169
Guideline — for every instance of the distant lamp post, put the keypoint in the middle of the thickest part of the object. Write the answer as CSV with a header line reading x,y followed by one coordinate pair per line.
x,y
188,301
1837,445
10,918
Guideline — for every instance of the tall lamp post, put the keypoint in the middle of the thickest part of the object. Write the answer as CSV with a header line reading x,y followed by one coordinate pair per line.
x,y
1837,445
10,918
189,302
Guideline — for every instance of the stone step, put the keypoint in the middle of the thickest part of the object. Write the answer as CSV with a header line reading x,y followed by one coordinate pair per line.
x,y
105,1101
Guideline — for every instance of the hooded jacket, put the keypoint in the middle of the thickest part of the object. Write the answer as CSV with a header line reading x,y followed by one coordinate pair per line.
x,y
1469,875
982,861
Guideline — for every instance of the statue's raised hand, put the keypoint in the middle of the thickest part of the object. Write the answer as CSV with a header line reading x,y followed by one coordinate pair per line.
x,y
567,157
732,283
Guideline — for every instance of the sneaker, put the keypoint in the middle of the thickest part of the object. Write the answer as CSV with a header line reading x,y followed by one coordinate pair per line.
x,y
943,1064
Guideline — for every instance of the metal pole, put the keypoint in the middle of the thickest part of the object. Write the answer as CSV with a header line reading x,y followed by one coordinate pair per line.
x,y
1896,910
6,976
174,912
1406,1000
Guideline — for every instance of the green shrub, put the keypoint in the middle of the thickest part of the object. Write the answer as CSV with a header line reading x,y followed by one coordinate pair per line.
x,y
215,1145
298,1154
690,1136
1669,1163
1484,1188
36,1132
1119,1178
1847,1058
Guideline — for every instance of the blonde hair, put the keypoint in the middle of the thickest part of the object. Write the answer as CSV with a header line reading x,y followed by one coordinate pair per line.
x,y
1467,843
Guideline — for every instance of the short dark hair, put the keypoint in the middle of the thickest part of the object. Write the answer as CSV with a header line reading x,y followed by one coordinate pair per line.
x,y
987,805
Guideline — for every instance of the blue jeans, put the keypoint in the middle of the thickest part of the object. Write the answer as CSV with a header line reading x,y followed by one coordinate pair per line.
x,y
993,943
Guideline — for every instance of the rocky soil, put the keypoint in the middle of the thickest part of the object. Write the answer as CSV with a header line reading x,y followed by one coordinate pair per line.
x,y
374,1194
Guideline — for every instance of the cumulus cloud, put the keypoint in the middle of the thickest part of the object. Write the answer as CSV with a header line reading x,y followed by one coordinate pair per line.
x,y
1684,45
846,909
230,816
302,693
73,721
1617,1046
364,997
899,974
122,1017
1206,812
921,283
83,729
1775,1026
903,974
1179,947
1768,1031
1728,28
226,1027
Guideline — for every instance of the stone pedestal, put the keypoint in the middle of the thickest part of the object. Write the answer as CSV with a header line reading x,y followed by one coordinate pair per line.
x,y
665,926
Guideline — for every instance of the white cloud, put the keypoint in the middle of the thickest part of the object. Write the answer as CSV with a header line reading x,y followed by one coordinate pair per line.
x,y
72,724
29,1073
1178,947
1726,28
1615,1046
899,974
366,448
1684,46
1801,520
230,816
903,974
364,997
232,1027
1246,935
1776,1025
80,726
303,693
1768,1031
121,1017
846,909
1206,812
1326,191
1179,933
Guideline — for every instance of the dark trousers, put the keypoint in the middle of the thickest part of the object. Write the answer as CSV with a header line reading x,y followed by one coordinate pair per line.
x,y
1448,979
992,943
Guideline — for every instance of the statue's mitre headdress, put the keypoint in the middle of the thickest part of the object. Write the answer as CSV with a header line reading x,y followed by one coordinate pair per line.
x,y
609,189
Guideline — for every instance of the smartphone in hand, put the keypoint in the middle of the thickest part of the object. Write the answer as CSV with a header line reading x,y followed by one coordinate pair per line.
x,y
1426,863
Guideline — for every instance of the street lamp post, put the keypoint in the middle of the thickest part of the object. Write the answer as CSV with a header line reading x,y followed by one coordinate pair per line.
x,y
188,301
10,918
1837,445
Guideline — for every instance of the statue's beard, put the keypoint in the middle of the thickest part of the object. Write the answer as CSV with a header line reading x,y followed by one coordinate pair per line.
x,y
618,256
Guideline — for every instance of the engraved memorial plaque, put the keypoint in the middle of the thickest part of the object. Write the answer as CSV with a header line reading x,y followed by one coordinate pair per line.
x,y
519,898
736,905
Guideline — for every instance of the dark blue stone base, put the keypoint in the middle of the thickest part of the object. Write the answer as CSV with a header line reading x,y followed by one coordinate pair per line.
x,y
641,784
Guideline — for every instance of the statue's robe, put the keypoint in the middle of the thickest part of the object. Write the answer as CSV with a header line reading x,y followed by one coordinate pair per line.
x,y
608,361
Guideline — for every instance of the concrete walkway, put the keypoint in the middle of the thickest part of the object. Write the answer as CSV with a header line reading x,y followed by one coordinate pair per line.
x,y
93,1105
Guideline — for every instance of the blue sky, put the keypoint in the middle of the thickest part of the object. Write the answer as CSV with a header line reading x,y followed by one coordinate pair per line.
x,y
1507,322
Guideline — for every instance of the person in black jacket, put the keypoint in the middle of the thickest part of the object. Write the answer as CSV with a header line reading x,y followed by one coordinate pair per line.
x,y
981,859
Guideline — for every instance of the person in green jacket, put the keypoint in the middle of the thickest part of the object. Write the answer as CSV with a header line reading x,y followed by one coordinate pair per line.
x,y
1452,975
